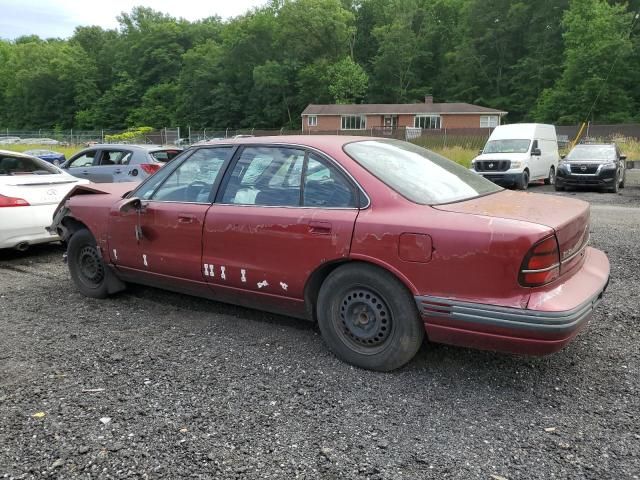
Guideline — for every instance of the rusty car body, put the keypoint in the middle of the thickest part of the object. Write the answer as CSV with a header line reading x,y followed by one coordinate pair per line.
x,y
379,241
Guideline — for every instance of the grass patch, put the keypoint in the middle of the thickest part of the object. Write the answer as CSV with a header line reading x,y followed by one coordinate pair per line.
x,y
68,151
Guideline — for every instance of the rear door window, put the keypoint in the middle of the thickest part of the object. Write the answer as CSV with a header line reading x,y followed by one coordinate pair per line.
x,y
115,157
326,186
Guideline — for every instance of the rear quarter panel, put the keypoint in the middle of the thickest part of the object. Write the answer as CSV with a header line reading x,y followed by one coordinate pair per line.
x,y
474,258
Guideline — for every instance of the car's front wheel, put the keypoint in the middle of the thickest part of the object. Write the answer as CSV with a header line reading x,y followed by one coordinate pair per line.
x,y
368,318
87,269
616,184
551,179
523,182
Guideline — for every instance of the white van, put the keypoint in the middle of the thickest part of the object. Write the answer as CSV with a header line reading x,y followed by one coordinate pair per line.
x,y
518,154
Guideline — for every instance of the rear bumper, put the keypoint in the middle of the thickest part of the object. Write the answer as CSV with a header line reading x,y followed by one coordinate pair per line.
x,y
26,225
553,317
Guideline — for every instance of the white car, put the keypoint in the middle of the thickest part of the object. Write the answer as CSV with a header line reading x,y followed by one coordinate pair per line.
x,y
518,154
30,191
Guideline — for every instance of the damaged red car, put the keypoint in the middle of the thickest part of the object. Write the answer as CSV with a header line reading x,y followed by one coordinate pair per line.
x,y
380,241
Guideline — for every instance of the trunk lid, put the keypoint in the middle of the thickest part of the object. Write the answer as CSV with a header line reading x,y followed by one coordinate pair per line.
x,y
38,189
568,217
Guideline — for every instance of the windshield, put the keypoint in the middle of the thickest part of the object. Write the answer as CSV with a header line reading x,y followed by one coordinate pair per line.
x,y
507,146
595,152
10,165
418,174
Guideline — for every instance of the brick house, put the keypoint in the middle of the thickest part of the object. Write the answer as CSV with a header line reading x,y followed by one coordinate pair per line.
x,y
427,115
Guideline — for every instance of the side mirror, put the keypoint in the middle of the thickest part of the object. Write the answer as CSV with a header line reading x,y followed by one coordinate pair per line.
x,y
130,205
536,152
479,152
623,157
563,156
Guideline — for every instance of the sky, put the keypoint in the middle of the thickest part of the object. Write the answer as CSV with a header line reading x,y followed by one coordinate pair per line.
x,y
58,18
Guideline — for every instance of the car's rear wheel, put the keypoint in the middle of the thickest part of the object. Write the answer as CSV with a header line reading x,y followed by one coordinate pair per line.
x,y
523,183
551,179
87,269
368,318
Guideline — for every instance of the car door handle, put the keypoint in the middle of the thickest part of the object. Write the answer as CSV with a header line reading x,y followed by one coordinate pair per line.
x,y
186,218
320,228
118,171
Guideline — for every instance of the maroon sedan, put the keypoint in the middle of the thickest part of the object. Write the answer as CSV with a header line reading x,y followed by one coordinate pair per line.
x,y
377,240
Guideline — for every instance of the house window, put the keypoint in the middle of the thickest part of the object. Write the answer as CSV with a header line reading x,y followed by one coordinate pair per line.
x,y
427,121
354,122
312,120
488,121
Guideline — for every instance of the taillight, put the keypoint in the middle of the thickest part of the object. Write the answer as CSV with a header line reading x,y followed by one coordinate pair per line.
x,y
150,168
541,265
13,202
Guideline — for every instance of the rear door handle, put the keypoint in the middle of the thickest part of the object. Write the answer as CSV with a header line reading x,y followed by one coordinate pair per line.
x,y
118,171
186,218
320,228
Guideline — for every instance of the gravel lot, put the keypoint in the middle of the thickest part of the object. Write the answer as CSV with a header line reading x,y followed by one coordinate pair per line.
x,y
157,385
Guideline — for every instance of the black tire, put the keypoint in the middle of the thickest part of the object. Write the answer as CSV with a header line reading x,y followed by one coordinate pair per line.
x,y
559,188
368,318
624,177
86,267
616,185
551,179
523,182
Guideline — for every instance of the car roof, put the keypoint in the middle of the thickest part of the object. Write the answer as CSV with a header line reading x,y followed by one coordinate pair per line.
x,y
599,145
315,141
130,146
17,154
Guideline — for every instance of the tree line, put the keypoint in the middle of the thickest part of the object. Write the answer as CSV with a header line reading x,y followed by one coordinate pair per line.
x,y
560,61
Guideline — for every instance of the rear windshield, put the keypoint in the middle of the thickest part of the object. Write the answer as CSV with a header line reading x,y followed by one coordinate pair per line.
x,y
10,165
599,152
418,174
507,146
165,155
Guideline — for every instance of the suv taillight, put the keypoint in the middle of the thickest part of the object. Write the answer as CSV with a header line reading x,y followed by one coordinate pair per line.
x,y
13,202
150,168
541,264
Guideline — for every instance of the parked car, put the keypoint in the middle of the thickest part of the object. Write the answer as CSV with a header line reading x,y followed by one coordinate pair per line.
x,y
593,165
119,163
50,156
518,154
377,240
30,191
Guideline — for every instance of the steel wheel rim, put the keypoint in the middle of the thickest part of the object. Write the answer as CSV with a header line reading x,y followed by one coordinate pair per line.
x,y
364,321
90,266
552,176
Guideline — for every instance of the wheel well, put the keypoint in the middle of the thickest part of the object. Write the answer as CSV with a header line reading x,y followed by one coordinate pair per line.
x,y
317,278
69,226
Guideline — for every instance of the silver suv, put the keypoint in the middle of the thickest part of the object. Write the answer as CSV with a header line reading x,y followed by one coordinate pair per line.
x,y
119,163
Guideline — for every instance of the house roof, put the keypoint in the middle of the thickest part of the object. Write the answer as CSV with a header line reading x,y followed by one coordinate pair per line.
x,y
402,108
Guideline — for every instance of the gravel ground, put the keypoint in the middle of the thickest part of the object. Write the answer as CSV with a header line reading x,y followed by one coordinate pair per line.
x,y
157,385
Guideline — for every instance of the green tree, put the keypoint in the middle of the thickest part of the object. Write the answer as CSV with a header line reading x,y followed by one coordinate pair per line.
x,y
597,62
347,81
